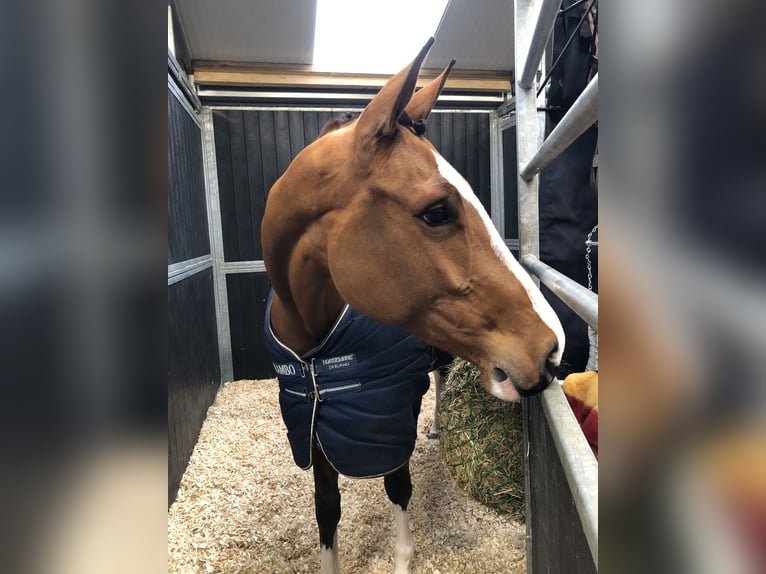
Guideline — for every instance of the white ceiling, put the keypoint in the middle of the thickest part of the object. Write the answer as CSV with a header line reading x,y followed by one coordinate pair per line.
x,y
264,31
477,33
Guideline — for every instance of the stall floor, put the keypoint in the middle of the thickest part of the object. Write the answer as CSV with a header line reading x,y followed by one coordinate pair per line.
x,y
244,507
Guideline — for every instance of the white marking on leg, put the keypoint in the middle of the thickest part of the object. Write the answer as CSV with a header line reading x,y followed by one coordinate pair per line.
x,y
328,558
433,432
405,544
539,303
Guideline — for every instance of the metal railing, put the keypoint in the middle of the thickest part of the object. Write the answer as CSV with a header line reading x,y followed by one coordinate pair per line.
x,y
577,460
543,29
533,21
579,299
582,115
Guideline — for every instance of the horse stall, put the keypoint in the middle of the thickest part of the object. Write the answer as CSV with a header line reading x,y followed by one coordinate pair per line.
x,y
237,503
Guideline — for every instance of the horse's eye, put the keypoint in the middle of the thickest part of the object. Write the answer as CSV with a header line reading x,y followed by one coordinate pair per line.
x,y
438,215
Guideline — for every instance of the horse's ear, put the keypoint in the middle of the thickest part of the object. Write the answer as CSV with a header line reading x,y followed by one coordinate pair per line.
x,y
424,99
380,118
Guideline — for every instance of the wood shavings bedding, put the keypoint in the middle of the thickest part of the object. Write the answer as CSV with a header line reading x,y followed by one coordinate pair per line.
x,y
243,506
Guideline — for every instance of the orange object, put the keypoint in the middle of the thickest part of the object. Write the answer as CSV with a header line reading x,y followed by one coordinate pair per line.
x,y
581,390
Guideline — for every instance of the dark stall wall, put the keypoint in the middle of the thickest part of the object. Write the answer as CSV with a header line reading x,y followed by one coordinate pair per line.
x,y
463,139
253,148
510,187
194,373
568,204
187,209
247,307
558,540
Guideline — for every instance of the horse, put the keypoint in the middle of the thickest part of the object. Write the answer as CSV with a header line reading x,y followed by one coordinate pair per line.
x,y
378,251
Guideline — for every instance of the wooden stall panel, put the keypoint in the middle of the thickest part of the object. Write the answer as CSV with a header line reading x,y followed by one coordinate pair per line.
x,y
559,543
254,147
510,174
247,308
463,139
187,212
194,374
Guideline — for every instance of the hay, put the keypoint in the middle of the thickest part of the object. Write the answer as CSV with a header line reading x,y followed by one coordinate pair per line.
x,y
481,441
244,507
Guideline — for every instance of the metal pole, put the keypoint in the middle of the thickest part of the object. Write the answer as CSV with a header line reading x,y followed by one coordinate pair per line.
x,y
578,298
545,21
175,71
216,247
527,140
582,115
577,460
527,132
496,174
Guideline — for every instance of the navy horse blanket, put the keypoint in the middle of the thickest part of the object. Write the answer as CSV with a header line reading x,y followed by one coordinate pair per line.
x,y
358,392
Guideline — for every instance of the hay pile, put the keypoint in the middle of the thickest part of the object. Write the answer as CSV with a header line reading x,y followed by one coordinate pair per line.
x,y
481,441
244,507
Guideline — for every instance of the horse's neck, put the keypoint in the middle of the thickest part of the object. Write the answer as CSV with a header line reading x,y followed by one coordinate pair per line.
x,y
304,313
298,215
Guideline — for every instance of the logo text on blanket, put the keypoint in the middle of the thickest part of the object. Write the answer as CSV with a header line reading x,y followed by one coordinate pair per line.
x,y
335,363
288,369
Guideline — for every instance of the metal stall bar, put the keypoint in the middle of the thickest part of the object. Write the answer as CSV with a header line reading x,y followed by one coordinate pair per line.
x,y
577,460
540,36
582,115
216,246
497,200
527,129
533,25
183,269
580,299
527,141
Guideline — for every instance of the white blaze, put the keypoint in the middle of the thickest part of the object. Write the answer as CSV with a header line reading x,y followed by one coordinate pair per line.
x,y
539,304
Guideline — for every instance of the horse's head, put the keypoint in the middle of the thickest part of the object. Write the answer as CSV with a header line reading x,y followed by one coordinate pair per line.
x,y
389,226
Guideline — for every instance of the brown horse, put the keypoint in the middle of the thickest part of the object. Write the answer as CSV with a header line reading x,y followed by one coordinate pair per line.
x,y
370,216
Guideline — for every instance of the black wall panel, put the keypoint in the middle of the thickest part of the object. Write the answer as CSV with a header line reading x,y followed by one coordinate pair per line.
x,y
568,205
187,212
568,211
247,306
558,541
463,139
510,185
193,370
254,147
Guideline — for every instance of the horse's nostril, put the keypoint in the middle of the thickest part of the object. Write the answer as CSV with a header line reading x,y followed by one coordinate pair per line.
x,y
552,361
499,375
551,367
553,354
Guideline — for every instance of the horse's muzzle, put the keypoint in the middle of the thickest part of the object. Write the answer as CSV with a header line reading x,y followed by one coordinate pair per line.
x,y
507,385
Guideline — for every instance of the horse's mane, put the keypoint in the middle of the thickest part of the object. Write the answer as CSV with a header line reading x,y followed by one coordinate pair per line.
x,y
334,123
419,126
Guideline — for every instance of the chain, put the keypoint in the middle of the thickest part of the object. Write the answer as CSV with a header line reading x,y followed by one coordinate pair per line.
x,y
588,244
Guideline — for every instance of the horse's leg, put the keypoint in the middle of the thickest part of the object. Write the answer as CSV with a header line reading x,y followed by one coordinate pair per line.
x,y
399,490
327,507
433,432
